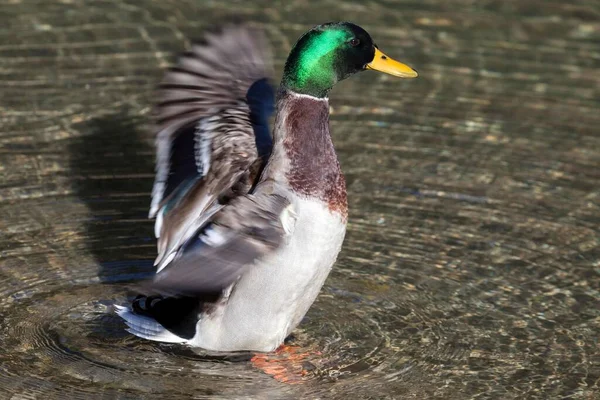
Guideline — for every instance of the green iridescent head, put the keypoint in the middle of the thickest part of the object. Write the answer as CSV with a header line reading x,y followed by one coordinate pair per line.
x,y
331,52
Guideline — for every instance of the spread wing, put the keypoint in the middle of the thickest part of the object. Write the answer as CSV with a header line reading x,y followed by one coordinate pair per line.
x,y
212,132
247,229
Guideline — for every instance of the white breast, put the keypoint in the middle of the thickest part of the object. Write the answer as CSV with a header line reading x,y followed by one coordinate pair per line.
x,y
271,299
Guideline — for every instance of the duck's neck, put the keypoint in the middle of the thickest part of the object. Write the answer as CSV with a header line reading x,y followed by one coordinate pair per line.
x,y
303,152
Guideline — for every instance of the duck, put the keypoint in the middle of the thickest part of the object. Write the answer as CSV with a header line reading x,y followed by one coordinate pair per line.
x,y
248,223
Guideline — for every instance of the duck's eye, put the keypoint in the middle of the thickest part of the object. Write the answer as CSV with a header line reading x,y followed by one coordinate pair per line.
x,y
354,42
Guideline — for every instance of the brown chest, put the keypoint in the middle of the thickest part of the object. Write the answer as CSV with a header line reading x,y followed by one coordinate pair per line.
x,y
314,169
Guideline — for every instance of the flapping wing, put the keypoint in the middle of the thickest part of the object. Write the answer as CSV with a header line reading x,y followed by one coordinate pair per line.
x,y
229,154
249,228
211,106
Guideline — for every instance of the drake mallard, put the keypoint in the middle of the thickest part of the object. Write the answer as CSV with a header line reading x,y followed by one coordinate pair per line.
x,y
248,226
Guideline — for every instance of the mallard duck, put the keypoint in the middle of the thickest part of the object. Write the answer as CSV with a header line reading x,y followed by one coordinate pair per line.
x,y
248,226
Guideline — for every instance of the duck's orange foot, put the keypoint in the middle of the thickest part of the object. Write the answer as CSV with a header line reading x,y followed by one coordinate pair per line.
x,y
288,364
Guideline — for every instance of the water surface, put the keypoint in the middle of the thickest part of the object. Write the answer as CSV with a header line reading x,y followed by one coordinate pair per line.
x,y
472,261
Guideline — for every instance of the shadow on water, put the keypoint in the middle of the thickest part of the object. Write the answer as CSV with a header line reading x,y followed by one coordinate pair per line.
x,y
112,164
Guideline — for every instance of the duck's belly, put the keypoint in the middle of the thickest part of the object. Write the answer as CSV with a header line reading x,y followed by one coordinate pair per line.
x,y
271,298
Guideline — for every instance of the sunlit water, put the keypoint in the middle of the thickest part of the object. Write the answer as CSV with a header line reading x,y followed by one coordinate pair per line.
x,y
472,261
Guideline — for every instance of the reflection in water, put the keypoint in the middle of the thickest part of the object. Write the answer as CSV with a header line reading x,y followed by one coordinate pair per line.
x,y
113,162
471,263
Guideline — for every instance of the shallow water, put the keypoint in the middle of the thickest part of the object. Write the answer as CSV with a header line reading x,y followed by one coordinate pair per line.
x,y
472,261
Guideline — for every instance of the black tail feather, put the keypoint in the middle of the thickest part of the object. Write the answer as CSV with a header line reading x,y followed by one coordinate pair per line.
x,y
179,315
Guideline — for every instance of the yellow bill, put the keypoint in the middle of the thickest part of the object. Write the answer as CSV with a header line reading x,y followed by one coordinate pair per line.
x,y
383,63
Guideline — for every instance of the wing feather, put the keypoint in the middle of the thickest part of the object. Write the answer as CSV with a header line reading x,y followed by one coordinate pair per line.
x,y
213,76
206,131
232,153
247,229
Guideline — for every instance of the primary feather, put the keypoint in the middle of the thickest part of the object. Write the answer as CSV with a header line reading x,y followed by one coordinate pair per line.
x,y
211,125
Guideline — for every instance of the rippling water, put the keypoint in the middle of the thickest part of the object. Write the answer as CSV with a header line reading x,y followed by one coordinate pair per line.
x,y
471,266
